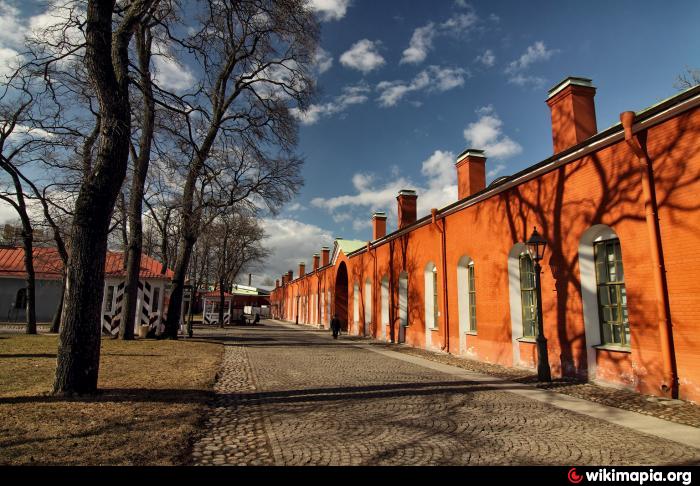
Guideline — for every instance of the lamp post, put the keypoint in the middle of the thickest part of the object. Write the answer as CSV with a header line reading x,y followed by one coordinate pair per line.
x,y
537,246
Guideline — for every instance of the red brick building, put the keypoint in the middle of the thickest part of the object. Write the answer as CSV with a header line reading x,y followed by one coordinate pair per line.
x,y
620,281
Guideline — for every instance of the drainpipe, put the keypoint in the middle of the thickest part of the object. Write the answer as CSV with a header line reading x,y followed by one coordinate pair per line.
x,y
377,326
443,249
660,284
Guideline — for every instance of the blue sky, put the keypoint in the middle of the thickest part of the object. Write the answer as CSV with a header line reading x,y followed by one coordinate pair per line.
x,y
405,86
501,58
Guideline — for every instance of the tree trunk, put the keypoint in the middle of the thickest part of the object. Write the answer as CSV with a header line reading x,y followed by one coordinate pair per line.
x,y
123,229
27,239
164,243
133,260
172,322
107,61
222,301
56,323
27,243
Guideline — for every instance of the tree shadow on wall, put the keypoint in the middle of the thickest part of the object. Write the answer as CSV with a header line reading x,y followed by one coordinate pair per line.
x,y
563,208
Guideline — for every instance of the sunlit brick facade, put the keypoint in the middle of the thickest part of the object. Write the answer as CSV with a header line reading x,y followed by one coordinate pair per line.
x,y
620,211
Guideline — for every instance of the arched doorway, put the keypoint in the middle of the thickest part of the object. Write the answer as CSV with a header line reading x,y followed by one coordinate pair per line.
x,y
341,296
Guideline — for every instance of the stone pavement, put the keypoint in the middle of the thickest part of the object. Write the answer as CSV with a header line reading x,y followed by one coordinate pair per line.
x,y
678,411
292,396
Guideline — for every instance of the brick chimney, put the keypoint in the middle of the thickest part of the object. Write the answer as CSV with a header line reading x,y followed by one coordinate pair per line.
x,y
290,276
471,172
277,283
378,225
325,256
317,259
573,112
302,269
407,199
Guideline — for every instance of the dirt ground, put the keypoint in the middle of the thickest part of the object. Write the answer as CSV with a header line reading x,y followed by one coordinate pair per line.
x,y
152,398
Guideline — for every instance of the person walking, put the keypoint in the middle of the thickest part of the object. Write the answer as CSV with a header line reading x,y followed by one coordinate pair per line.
x,y
335,326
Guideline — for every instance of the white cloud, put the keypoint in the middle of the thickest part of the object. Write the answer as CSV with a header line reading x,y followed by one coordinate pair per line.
x,y
330,9
434,78
290,241
487,134
421,43
341,217
495,171
459,23
323,60
361,224
170,74
445,79
8,214
371,194
9,60
16,28
534,53
363,56
22,131
12,28
351,95
488,59
295,207
439,168
522,80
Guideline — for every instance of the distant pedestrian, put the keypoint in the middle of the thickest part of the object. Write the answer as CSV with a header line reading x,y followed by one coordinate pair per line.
x,y
335,326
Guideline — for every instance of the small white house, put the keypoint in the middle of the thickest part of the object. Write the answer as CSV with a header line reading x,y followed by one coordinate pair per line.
x,y
151,301
150,307
211,302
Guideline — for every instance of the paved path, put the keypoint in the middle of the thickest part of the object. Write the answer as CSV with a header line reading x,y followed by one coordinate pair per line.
x,y
292,396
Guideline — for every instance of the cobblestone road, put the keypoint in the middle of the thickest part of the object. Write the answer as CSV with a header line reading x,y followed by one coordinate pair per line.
x,y
289,396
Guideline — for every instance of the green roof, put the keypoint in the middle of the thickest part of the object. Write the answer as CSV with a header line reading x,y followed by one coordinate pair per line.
x,y
245,290
348,246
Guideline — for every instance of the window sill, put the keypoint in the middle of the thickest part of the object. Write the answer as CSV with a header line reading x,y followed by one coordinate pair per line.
x,y
434,328
530,340
470,333
614,348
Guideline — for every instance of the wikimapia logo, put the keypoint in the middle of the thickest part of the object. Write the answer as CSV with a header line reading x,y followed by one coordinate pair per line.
x,y
574,477
638,477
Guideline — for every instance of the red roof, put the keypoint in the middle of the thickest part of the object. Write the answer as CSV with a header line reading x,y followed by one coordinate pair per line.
x,y
48,264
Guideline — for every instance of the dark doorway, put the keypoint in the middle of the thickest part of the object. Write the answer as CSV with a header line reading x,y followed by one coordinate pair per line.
x,y
341,296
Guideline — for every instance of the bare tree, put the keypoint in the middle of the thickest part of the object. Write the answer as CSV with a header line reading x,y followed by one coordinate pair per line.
x,y
236,132
237,238
141,156
20,139
107,64
688,79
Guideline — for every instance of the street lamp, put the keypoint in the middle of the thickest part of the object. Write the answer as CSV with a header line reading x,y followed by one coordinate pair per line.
x,y
537,246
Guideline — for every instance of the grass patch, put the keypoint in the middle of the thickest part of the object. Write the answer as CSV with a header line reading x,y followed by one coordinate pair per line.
x,y
152,398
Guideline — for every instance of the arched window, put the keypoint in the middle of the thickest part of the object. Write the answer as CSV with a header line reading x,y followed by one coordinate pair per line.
x,y
612,294
156,299
385,306
368,305
403,299
528,295
431,297
472,297
21,298
109,298
356,303
466,288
